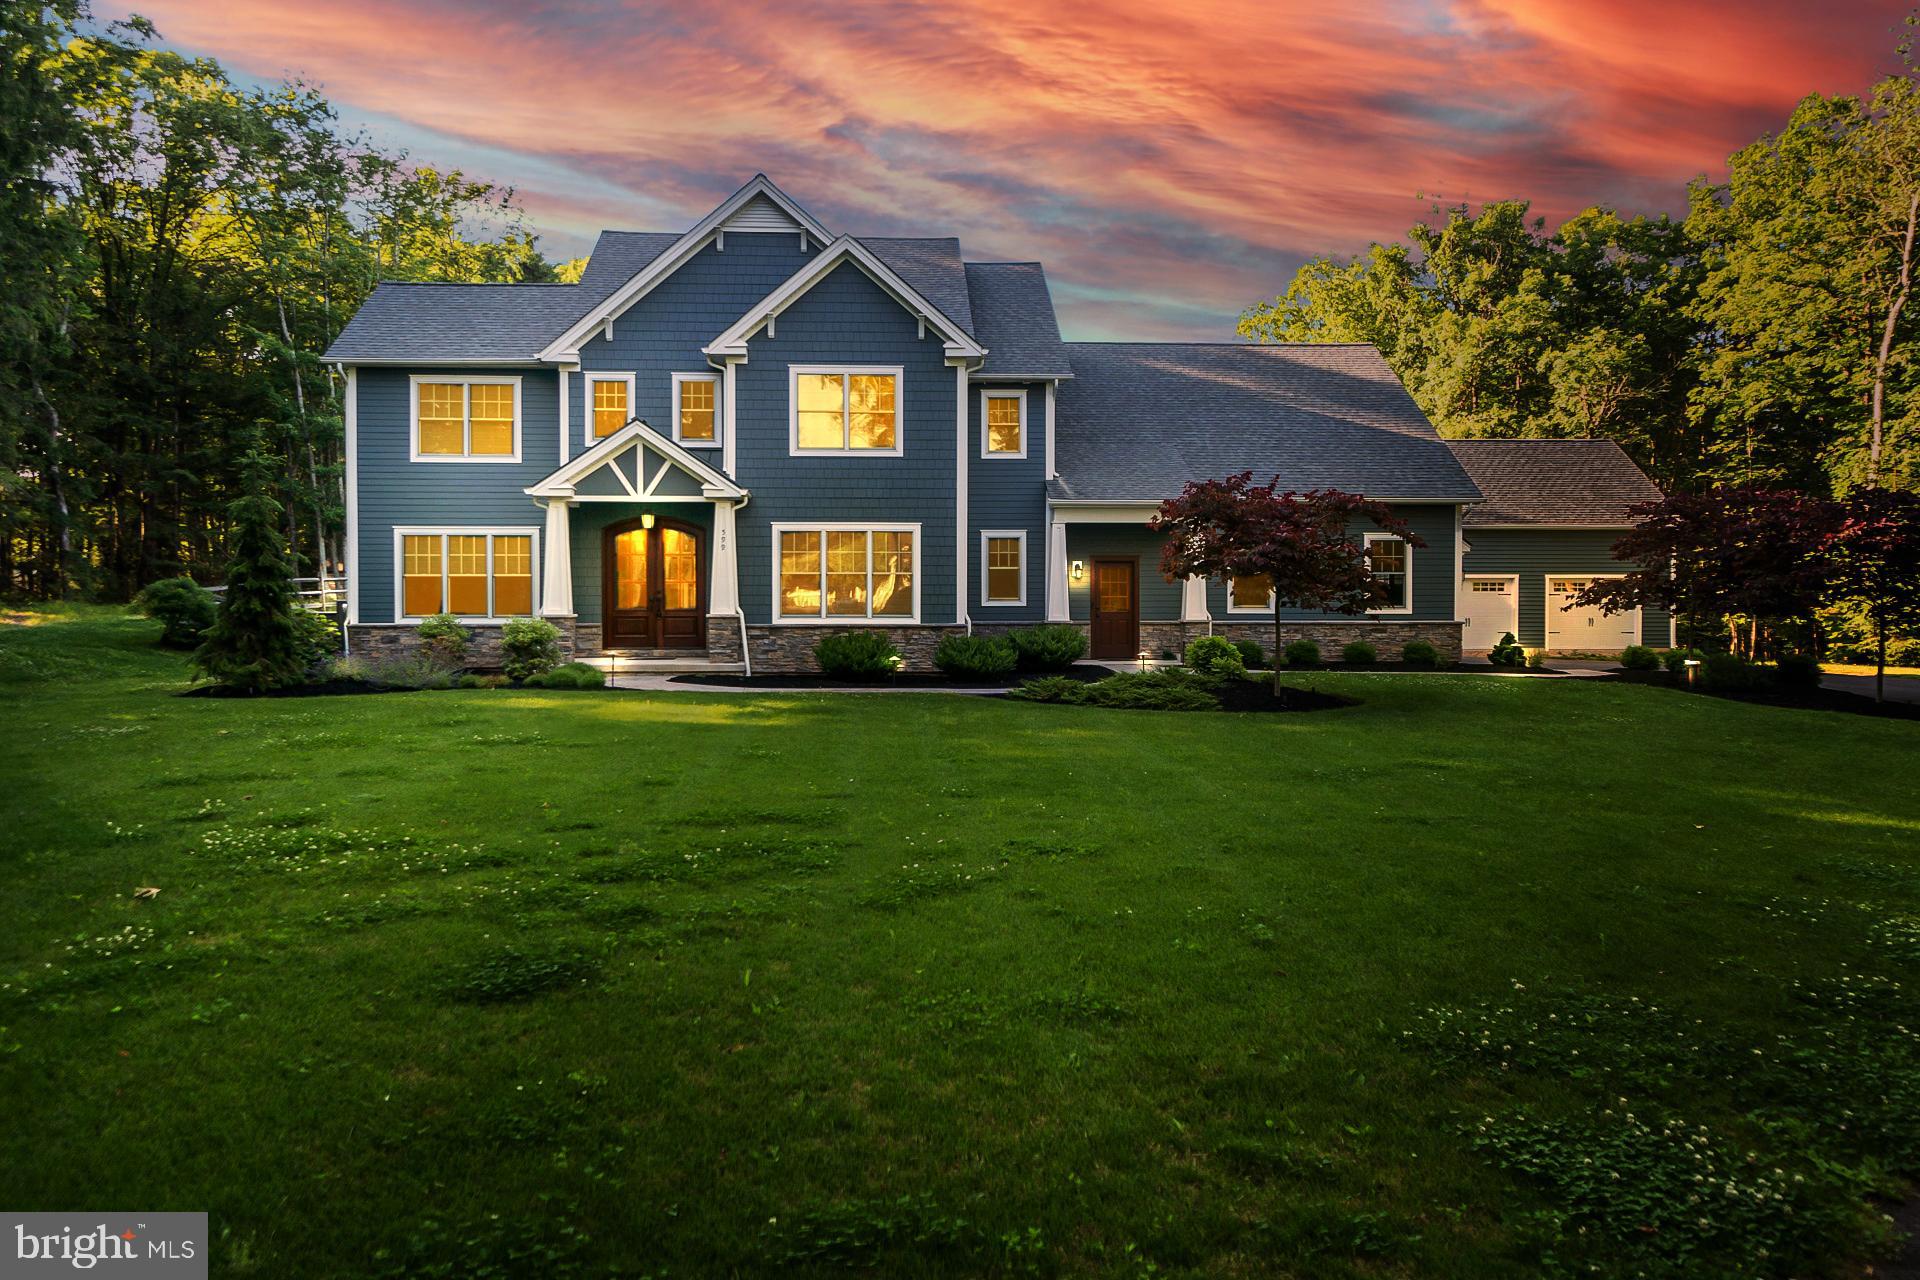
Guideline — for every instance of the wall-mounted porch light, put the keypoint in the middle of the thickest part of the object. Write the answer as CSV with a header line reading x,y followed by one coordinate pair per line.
x,y
646,520
1079,570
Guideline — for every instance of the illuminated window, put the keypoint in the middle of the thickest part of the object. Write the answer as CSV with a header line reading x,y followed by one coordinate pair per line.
x,y
470,575
1250,594
612,404
835,573
694,415
851,411
1389,562
474,419
1003,578
1004,433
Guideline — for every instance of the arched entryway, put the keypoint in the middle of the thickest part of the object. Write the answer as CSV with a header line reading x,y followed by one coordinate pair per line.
x,y
655,585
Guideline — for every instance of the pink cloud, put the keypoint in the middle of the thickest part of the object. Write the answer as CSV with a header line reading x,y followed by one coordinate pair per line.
x,y
1178,158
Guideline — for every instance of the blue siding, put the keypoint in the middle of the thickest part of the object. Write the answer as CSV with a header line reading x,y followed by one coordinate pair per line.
x,y
394,491
662,334
1534,553
1159,599
1009,493
846,319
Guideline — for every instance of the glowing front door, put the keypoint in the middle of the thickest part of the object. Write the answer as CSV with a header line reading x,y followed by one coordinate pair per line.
x,y
653,577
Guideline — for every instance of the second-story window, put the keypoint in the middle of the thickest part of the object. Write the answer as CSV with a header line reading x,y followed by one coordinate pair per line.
x,y
466,419
695,415
1003,424
855,409
610,404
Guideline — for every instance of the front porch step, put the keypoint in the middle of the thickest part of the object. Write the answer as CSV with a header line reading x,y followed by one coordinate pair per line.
x,y
649,662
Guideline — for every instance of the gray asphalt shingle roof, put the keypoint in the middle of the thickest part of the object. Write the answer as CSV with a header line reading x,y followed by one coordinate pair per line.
x,y
1139,420
1013,319
931,268
1590,482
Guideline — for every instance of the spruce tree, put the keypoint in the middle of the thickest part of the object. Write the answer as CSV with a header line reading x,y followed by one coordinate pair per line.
x,y
254,641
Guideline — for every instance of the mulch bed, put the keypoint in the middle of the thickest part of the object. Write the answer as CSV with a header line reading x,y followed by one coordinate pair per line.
x,y
318,689
1254,695
903,680
1799,699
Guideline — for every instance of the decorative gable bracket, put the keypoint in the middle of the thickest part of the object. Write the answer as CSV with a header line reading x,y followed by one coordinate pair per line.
x,y
637,464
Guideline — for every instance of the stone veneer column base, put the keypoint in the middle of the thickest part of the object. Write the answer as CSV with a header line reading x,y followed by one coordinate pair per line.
x,y
791,648
723,638
483,650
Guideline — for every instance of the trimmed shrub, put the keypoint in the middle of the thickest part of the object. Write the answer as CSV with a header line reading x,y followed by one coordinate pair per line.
x,y
1358,653
852,655
1049,648
1797,671
1418,653
529,646
1252,656
1638,657
1167,690
1301,653
1507,653
183,608
1729,672
574,675
1205,653
1051,689
1675,660
445,638
975,657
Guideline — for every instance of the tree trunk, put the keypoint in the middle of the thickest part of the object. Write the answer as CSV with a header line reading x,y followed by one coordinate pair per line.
x,y
1877,427
62,542
323,554
1880,656
1277,646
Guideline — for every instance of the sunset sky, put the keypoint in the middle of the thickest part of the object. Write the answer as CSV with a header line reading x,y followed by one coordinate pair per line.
x,y
1169,162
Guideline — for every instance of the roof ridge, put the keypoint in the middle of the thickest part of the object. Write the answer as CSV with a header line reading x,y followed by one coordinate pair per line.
x,y
483,284
1007,262
1249,346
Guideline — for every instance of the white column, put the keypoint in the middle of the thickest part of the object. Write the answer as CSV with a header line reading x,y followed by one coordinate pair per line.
x,y
1056,572
723,593
565,444
556,566
1193,599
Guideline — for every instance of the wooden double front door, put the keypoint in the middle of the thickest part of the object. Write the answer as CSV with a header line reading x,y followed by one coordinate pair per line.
x,y
1116,609
655,582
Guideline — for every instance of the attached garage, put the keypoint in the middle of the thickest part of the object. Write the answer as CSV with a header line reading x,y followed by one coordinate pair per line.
x,y
1553,510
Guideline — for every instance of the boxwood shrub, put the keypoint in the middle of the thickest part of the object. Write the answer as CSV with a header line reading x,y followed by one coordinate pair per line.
x,y
975,657
851,655
1418,653
1302,653
1208,654
1359,654
574,675
529,646
1638,657
1252,656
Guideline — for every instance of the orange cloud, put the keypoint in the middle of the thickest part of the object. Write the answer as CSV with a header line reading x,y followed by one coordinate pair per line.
x,y
1170,164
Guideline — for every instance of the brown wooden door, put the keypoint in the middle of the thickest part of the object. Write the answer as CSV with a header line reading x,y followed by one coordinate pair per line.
x,y
654,590
1116,609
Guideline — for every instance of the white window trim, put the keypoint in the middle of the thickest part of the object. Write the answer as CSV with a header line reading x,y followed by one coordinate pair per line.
x,y
899,411
404,531
987,535
1003,393
713,380
587,438
824,527
1368,541
1241,611
467,382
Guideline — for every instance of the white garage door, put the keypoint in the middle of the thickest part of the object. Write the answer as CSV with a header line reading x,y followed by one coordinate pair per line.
x,y
1491,608
1586,628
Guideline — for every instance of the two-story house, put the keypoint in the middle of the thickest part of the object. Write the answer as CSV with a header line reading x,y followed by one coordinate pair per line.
x,y
722,441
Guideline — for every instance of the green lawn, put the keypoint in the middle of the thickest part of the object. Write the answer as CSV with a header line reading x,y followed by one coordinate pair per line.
x,y
559,983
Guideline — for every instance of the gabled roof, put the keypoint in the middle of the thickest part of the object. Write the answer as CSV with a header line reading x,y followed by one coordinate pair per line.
x,y
1013,318
758,192
403,323
932,267
1141,419
733,342
1553,482
622,460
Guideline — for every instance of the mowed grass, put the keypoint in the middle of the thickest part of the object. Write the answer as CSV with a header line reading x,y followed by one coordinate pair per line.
x,y
477,983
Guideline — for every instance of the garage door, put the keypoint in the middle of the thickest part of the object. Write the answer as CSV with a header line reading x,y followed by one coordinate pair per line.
x,y
1586,628
1491,608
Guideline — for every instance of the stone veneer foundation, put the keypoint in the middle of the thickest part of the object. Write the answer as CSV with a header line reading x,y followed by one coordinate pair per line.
x,y
483,649
791,648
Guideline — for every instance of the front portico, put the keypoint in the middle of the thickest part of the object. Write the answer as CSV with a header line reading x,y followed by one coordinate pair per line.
x,y
640,550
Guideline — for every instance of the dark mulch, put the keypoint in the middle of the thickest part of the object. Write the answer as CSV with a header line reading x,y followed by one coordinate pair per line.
x,y
1799,699
1258,695
903,680
318,689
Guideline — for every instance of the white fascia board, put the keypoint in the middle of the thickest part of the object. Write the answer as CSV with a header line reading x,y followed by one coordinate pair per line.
x,y
567,345
560,483
734,341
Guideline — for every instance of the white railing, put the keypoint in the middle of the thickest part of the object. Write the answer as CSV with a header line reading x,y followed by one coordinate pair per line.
x,y
322,595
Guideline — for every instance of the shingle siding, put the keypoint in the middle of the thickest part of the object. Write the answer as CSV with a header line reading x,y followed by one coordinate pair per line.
x,y
846,319
1009,493
1533,554
394,491
1159,599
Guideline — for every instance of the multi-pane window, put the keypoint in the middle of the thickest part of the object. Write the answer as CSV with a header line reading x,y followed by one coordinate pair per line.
x,y
1250,592
466,419
1005,426
472,575
1387,561
612,407
694,411
846,412
1003,579
846,573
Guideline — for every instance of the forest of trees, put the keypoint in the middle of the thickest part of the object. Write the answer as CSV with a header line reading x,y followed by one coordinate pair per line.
x,y
176,252
1766,338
